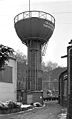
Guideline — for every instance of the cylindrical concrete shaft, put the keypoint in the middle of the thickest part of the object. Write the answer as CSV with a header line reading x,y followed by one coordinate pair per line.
x,y
34,65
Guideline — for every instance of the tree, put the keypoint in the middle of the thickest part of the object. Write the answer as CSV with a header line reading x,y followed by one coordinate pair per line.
x,y
20,57
5,53
49,66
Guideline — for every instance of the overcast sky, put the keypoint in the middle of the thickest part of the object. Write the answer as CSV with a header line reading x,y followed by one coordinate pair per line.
x,y
57,45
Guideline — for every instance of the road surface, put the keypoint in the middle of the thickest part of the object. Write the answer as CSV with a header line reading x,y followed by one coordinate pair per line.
x,y
50,111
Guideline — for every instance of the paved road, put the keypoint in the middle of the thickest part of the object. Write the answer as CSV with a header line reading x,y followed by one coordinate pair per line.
x,y
50,111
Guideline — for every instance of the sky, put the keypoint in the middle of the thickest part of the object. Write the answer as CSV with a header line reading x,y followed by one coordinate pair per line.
x,y
57,45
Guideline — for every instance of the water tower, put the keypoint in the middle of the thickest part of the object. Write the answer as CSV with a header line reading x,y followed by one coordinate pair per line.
x,y
34,28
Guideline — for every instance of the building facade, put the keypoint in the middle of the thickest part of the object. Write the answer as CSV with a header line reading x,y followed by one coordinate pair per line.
x,y
63,88
21,82
8,81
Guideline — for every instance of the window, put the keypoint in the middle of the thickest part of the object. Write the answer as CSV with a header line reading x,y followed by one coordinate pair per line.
x,y
6,75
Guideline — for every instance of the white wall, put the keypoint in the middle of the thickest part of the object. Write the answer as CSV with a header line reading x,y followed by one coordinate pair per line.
x,y
8,90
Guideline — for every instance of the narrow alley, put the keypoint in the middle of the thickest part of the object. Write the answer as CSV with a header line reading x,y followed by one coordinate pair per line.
x,y
52,110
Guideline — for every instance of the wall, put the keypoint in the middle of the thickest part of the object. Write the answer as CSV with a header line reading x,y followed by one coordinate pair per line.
x,y
8,90
21,75
21,82
63,88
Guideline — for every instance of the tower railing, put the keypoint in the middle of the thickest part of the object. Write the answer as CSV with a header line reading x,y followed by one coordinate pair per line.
x,y
39,14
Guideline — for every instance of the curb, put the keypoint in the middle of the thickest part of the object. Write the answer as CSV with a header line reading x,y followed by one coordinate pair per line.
x,y
21,112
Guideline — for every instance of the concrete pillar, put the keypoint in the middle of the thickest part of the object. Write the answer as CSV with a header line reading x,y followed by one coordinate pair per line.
x,y
34,65
34,81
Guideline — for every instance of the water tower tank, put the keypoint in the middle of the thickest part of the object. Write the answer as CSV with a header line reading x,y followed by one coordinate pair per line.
x,y
34,28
